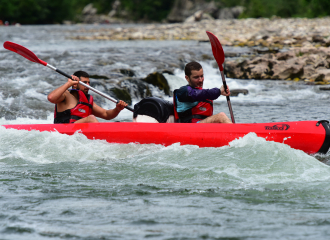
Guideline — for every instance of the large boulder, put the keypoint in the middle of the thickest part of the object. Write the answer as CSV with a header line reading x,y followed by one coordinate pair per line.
x,y
292,68
230,13
89,14
199,16
183,9
121,94
310,64
236,92
322,75
116,15
89,10
158,80
115,7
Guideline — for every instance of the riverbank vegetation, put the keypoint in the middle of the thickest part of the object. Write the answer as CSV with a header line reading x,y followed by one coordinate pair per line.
x,y
50,11
284,8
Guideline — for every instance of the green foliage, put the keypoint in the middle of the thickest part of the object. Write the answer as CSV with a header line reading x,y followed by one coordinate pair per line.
x,y
148,9
286,8
317,8
35,11
56,11
230,3
266,8
102,6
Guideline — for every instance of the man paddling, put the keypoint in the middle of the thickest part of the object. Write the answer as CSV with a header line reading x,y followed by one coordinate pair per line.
x,y
76,105
192,103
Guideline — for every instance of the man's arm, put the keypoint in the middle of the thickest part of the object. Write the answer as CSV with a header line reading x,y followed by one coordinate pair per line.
x,y
189,94
58,95
108,114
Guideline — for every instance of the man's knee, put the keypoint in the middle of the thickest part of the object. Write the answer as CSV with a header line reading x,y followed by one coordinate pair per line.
x,y
222,115
89,119
217,118
92,119
222,118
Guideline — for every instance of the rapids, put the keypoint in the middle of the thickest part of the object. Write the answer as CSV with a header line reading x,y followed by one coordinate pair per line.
x,y
55,186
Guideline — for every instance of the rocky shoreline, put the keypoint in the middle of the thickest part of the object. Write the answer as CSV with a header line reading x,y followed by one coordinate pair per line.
x,y
306,42
310,64
275,32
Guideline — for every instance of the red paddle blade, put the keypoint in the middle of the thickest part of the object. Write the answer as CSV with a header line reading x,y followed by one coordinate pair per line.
x,y
217,50
23,52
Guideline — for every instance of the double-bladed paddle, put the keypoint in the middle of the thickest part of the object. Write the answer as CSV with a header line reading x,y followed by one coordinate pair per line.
x,y
219,56
33,58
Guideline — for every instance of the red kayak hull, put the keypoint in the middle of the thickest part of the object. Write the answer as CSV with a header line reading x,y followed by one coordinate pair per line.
x,y
309,136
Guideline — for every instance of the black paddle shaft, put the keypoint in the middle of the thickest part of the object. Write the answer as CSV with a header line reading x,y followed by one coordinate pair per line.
x,y
228,99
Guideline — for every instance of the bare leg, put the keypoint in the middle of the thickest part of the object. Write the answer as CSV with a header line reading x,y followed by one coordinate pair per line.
x,y
217,118
89,119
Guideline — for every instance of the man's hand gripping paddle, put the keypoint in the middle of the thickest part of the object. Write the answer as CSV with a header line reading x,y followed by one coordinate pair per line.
x,y
33,58
219,56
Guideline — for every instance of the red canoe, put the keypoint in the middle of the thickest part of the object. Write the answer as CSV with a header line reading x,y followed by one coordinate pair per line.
x,y
309,136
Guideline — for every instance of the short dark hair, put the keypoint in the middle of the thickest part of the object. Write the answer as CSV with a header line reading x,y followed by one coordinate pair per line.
x,y
81,74
192,66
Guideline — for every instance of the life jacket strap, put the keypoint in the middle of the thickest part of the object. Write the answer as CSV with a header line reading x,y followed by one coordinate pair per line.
x,y
188,119
75,117
208,101
87,104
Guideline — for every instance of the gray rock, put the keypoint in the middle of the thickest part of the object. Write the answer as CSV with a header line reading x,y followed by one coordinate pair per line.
x,y
285,71
318,39
322,74
311,64
230,13
115,7
235,92
89,10
158,80
283,56
309,71
183,9
324,88
199,16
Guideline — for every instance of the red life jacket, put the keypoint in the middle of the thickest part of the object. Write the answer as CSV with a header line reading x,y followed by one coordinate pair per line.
x,y
201,111
83,109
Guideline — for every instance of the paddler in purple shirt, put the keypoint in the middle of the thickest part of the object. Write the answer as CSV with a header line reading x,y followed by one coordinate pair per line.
x,y
192,103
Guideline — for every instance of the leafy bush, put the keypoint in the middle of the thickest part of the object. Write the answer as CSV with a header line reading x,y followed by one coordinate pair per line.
x,y
36,11
56,11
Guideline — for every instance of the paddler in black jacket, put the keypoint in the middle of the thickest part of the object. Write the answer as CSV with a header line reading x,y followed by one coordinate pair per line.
x,y
76,105
192,103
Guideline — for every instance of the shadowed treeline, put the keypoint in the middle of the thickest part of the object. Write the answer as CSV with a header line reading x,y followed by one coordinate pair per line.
x,y
285,8
50,11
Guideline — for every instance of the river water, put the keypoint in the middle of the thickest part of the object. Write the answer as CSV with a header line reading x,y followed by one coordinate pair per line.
x,y
56,186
